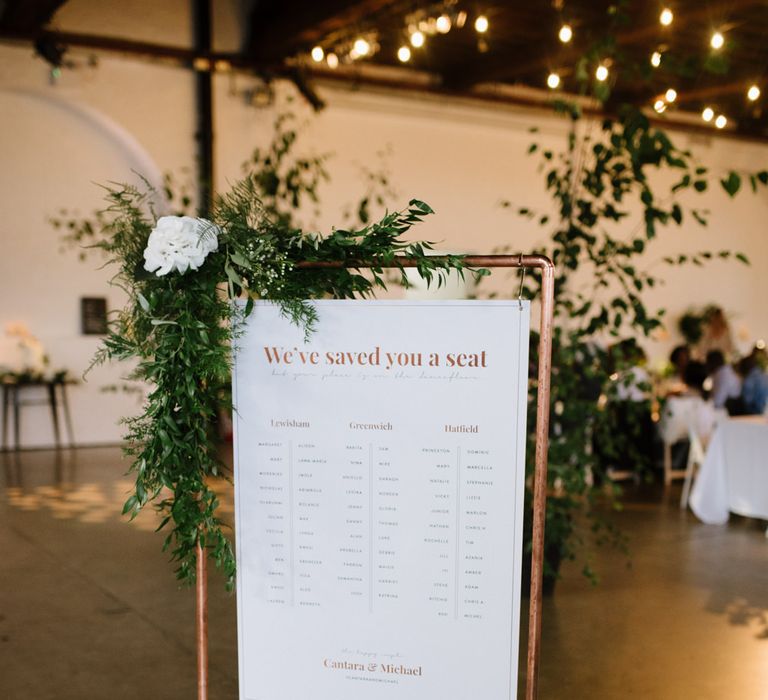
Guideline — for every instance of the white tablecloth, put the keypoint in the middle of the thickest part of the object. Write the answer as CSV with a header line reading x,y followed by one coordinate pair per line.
x,y
734,475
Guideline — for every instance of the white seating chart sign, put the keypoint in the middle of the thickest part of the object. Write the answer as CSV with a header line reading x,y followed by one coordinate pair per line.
x,y
379,471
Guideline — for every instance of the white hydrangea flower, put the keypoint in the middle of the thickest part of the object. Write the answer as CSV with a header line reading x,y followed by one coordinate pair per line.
x,y
179,243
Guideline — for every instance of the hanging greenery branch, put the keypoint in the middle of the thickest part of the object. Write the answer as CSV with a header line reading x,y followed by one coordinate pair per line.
x,y
608,207
182,276
287,181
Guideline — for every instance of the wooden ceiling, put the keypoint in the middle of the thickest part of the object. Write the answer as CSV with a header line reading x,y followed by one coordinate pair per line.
x,y
17,17
520,48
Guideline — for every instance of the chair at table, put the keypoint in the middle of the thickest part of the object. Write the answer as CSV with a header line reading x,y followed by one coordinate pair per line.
x,y
685,418
695,459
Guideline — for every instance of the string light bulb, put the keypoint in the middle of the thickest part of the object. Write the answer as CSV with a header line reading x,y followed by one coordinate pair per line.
x,y
670,95
481,24
332,60
404,54
565,34
753,93
553,81
721,121
601,73
361,47
318,54
717,41
656,59
443,24
417,39
659,106
708,114
666,17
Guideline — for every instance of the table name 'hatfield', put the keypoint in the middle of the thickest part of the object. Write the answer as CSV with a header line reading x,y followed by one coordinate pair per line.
x,y
375,358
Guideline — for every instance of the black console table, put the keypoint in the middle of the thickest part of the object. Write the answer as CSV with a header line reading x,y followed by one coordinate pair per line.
x,y
13,400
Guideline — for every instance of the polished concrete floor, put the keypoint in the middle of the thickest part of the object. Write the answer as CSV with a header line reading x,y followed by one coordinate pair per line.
x,y
89,607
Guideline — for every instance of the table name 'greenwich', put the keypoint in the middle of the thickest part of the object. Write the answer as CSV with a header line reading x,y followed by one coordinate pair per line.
x,y
394,669
375,358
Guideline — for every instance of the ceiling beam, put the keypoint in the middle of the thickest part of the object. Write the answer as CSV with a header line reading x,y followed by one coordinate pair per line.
x,y
27,16
357,78
429,84
105,43
140,49
738,87
199,60
279,29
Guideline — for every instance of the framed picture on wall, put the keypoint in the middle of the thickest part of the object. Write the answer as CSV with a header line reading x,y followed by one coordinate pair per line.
x,y
93,315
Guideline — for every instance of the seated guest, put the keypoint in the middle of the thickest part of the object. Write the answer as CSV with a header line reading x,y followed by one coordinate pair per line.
x,y
679,359
726,384
674,384
754,389
716,333
685,414
703,416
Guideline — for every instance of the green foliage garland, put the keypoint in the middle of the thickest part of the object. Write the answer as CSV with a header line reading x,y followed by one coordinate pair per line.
x,y
179,328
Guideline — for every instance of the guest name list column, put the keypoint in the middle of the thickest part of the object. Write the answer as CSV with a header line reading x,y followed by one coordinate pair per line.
x,y
379,501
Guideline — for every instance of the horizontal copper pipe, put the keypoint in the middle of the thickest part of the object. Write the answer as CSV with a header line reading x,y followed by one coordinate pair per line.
x,y
475,261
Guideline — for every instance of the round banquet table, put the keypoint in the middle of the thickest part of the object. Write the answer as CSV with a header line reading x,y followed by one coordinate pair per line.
x,y
734,475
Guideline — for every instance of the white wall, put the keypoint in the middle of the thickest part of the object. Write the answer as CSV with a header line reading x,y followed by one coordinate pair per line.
x,y
57,142
98,124
166,22
464,159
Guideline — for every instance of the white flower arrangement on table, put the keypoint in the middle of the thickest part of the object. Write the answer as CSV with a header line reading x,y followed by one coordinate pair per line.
x,y
34,358
179,243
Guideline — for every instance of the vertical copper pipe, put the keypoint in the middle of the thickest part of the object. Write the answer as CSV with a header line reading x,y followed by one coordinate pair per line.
x,y
201,616
540,478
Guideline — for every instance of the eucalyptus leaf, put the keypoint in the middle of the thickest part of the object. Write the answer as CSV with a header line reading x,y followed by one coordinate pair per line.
x,y
732,183
240,260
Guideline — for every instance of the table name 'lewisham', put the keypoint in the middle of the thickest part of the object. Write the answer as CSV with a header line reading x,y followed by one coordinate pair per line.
x,y
289,423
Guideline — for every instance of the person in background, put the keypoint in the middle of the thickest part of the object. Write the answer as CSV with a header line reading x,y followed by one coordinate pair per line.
x,y
679,359
716,334
704,416
726,384
685,413
754,388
